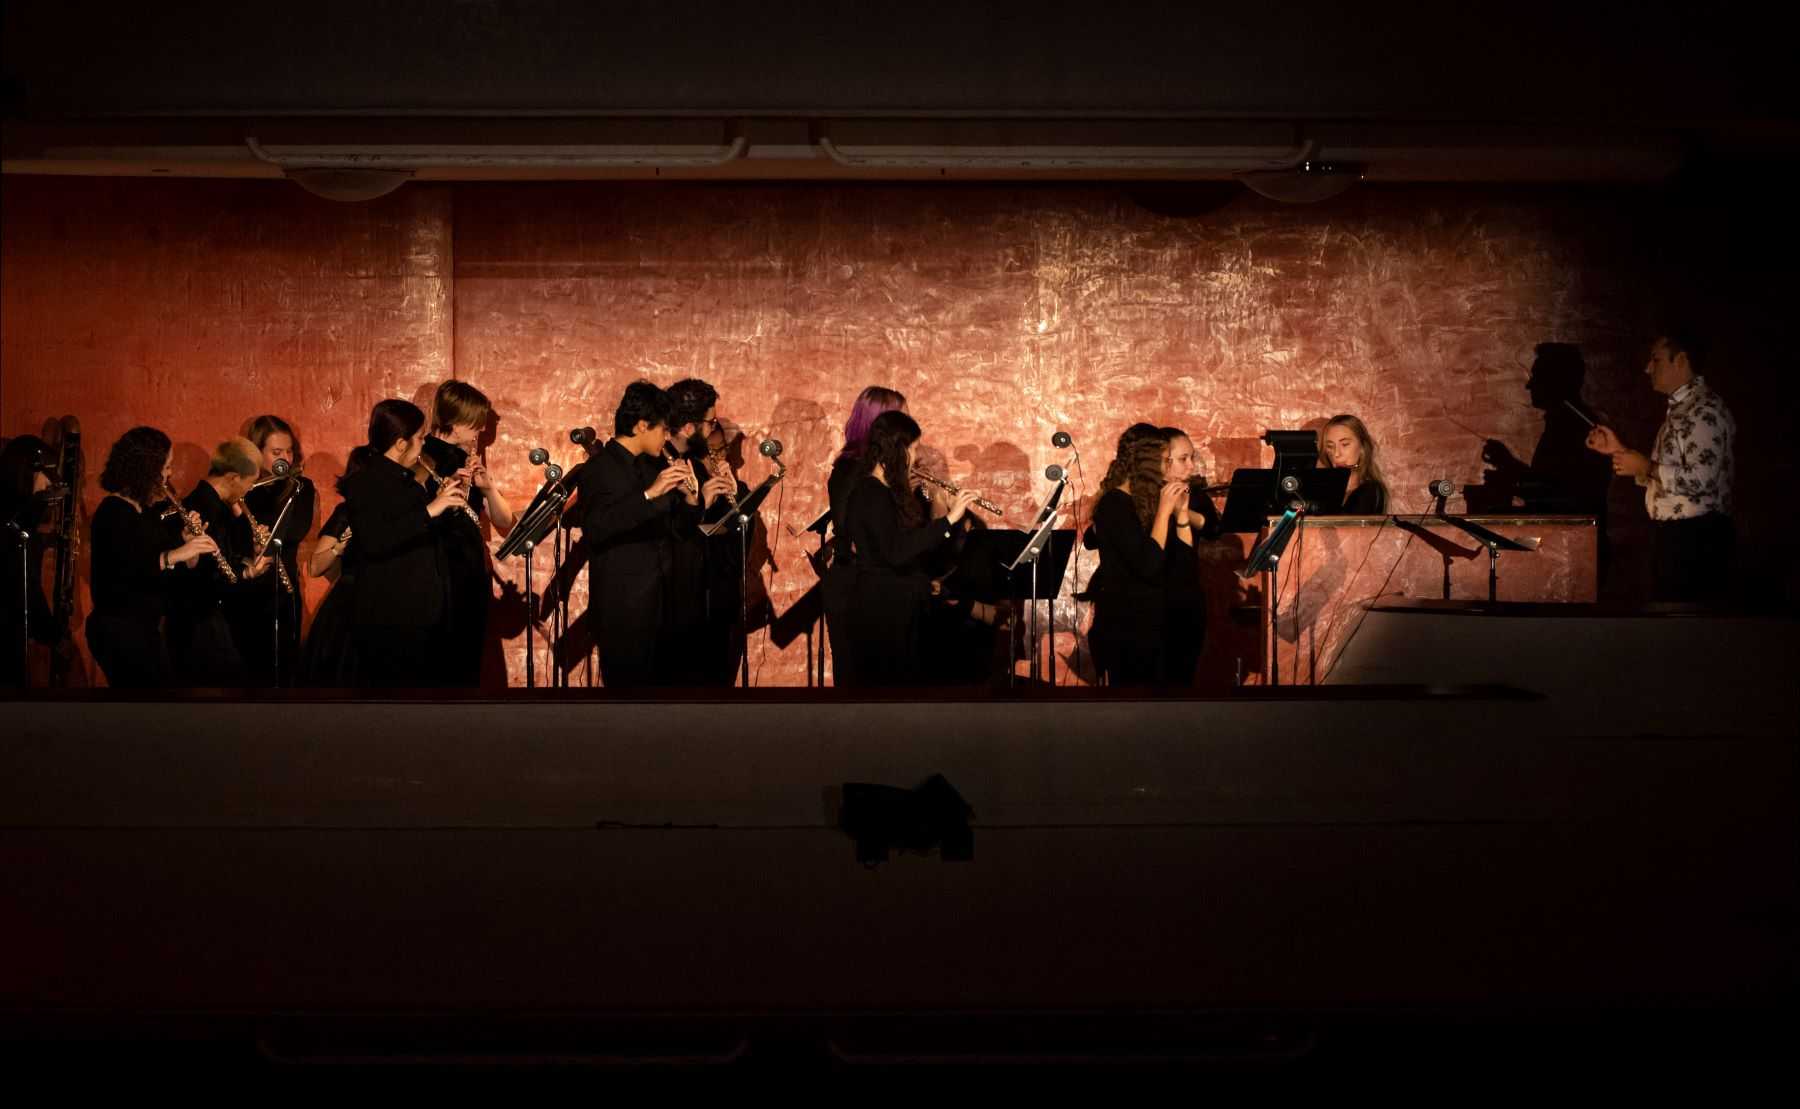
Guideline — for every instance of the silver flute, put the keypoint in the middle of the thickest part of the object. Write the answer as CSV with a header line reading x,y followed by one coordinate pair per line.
x,y
980,502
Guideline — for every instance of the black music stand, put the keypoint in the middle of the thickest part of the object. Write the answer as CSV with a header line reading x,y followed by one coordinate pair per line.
x,y
539,517
1257,495
1007,564
1494,542
1267,556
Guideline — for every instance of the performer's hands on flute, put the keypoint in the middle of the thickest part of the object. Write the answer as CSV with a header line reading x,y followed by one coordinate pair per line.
x,y
959,504
673,477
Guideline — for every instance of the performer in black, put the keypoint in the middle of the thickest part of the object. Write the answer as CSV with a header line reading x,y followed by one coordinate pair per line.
x,y
277,441
133,551
703,637
1132,522
890,537
24,480
460,414
401,599
839,582
205,598
631,497
1194,522
329,659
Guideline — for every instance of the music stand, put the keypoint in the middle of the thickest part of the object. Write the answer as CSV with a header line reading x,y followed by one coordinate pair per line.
x,y
539,518
1495,543
1267,556
1256,495
993,567
740,518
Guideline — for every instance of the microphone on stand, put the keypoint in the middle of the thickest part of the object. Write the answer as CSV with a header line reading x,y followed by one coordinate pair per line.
x,y
1062,440
582,436
539,456
769,448
1055,472
282,467
1440,490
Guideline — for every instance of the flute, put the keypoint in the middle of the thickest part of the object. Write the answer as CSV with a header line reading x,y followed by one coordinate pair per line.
x,y
193,527
980,502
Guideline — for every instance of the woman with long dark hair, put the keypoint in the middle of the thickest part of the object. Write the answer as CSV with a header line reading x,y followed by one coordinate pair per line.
x,y
840,577
1132,523
401,599
889,538
133,550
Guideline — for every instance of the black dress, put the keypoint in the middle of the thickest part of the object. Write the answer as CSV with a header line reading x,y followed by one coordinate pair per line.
x,y
466,560
329,660
401,600
252,621
1130,596
1367,499
891,587
124,630
202,644
839,584
629,542
1184,630
701,643
22,585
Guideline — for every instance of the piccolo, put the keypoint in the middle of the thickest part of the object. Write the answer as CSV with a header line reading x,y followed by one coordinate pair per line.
x,y
980,502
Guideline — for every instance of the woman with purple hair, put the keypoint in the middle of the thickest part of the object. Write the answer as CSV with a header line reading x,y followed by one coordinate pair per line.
x,y
840,577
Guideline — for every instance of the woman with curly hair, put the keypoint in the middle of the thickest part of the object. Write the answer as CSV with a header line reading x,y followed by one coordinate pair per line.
x,y
133,551
889,537
1132,522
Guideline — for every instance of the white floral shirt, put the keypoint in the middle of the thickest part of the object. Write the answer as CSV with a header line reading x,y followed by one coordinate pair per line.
x,y
1690,466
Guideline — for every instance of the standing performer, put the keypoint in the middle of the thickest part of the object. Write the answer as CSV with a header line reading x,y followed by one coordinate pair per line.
x,y
132,552
291,502
630,497
24,480
1347,445
1184,633
840,576
204,598
460,414
890,537
401,599
1686,477
1132,521
329,659
702,638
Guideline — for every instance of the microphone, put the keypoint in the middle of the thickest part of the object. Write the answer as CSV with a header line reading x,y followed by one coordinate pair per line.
x,y
582,436
1290,483
282,467
539,456
1055,472
553,472
1442,487
769,448
1062,440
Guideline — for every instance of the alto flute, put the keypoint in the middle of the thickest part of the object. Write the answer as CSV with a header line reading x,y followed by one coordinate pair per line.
x,y
193,527
980,502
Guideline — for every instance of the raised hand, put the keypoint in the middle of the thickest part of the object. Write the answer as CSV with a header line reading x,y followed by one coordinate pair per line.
x,y
671,478
1603,439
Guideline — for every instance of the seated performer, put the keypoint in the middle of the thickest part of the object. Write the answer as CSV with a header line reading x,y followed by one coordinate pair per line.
x,y
630,498
204,600
890,536
1346,445
702,636
460,414
840,575
133,552
290,503
1132,521
402,589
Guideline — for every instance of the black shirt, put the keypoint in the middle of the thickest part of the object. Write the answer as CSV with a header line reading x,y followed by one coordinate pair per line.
x,y
1367,499
401,577
126,572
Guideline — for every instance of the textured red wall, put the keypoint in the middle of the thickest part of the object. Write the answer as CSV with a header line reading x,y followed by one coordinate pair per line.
x,y
1004,312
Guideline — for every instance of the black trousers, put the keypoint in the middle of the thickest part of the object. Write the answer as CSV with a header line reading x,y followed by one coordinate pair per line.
x,y
1692,558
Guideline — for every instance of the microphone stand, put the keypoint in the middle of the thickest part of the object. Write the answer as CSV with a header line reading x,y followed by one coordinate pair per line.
x,y
24,598
530,549
1267,556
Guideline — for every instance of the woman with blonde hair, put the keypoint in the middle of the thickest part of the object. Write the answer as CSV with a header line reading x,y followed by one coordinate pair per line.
x,y
1346,444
